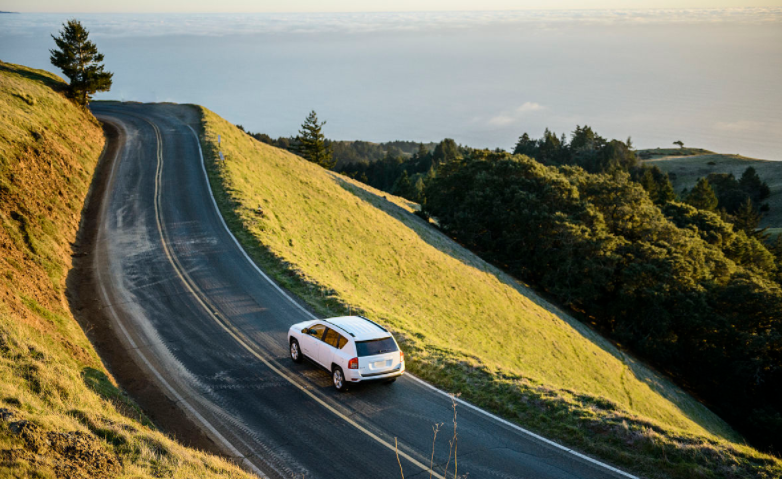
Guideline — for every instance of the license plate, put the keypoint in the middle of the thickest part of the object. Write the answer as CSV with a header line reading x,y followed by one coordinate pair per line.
x,y
379,364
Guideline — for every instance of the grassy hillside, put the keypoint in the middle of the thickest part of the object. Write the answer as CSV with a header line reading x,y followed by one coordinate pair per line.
x,y
61,414
465,325
655,153
688,168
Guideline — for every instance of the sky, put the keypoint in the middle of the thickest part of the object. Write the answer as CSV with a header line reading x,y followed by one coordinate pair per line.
x,y
226,6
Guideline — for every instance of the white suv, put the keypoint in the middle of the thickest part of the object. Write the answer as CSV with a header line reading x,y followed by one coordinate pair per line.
x,y
353,348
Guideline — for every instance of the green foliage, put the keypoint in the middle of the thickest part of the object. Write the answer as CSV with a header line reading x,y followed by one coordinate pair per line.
x,y
347,152
387,173
586,149
678,286
526,146
409,189
751,183
702,196
80,61
445,152
722,172
656,183
312,142
747,218
733,194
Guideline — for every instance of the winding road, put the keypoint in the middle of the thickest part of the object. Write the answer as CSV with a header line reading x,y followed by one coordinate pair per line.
x,y
210,329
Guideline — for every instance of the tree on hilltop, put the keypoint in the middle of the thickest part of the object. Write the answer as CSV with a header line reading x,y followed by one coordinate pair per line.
x,y
312,142
80,61
680,143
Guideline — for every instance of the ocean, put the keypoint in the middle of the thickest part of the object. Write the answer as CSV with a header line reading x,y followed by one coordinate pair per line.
x,y
710,78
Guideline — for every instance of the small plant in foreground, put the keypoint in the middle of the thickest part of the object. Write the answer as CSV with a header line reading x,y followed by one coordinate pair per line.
x,y
452,450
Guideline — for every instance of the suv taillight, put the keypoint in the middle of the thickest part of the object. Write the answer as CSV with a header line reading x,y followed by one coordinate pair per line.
x,y
401,356
353,363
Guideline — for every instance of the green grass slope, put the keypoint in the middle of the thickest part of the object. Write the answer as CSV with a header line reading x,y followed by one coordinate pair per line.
x,y
464,325
61,414
689,167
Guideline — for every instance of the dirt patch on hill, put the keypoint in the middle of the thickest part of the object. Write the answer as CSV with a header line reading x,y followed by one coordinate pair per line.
x,y
72,454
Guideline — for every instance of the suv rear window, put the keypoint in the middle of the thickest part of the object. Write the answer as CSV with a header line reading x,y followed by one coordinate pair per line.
x,y
375,346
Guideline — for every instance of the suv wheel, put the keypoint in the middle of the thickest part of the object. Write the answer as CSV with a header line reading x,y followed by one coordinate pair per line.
x,y
295,351
338,378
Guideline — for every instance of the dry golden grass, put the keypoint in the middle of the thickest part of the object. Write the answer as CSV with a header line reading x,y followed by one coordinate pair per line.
x,y
61,414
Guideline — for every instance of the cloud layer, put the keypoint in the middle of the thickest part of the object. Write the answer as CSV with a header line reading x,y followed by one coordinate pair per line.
x,y
357,23
511,117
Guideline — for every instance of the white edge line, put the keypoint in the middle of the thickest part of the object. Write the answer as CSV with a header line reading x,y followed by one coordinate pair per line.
x,y
157,374
274,368
238,245
421,381
521,429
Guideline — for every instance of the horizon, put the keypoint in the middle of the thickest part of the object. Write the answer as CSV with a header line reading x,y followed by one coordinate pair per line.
x,y
355,6
516,97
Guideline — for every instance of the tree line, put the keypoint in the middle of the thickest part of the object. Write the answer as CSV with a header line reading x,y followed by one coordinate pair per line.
x,y
673,283
347,152
736,201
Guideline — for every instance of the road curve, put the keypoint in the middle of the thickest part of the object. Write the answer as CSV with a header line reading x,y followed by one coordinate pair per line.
x,y
201,320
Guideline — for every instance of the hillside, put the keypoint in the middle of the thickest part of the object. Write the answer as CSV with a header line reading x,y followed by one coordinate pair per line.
x,y
465,326
688,168
61,413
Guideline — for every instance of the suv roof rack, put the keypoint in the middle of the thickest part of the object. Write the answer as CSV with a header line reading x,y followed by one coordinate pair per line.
x,y
338,326
367,319
343,328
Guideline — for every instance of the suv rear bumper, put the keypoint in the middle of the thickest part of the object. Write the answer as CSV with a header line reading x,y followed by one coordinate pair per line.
x,y
356,377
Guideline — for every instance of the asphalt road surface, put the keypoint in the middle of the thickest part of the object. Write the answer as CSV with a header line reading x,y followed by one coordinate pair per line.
x,y
211,329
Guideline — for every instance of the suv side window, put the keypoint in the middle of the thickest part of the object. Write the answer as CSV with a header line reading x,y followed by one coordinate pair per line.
x,y
317,331
342,342
331,338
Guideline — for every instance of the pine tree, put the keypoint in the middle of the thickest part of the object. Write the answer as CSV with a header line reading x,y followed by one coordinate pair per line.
x,y
665,191
702,196
526,146
747,218
752,185
80,61
648,183
403,186
418,190
312,142
445,151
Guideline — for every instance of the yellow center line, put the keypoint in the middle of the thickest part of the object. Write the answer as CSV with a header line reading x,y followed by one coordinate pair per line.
x,y
230,329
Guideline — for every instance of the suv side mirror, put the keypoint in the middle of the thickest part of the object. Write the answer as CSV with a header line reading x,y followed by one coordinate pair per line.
x,y
306,330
